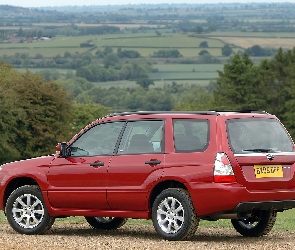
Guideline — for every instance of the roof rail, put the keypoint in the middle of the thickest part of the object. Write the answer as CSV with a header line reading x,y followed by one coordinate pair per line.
x,y
210,112
243,111
162,112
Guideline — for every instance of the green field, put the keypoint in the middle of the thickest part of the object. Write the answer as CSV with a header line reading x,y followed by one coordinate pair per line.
x,y
164,41
158,83
188,67
183,75
186,71
145,43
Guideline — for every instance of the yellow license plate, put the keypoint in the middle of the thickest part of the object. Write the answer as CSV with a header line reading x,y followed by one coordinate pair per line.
x,y
264,171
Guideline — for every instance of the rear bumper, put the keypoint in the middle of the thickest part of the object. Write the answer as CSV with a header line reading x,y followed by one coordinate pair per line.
x,y
212,198
265,205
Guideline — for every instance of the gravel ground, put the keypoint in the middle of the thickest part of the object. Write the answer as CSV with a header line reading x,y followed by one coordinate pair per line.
x,y
66,236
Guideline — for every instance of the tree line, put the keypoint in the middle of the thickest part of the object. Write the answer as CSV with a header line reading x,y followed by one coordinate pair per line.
x,y
36,114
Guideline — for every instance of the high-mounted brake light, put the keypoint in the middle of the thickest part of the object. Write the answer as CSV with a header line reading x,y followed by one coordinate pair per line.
x,y
223,171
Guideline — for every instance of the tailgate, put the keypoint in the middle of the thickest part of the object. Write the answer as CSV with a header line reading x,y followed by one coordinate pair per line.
x,y
257,171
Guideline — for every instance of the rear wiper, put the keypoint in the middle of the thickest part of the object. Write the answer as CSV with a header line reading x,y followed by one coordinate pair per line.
x,y
260,150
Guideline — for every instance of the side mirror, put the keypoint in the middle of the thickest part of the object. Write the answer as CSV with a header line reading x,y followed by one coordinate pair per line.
x,y
61,149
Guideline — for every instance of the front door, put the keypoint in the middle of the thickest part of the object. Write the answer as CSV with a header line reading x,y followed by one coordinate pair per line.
x,y
79,180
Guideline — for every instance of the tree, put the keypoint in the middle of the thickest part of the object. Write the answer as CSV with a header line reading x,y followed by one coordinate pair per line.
x,y
199,101
204,44
127,53
158,33
173,53
85,113
110,59
239,86
50,74
145,83
35,114
269,86
226,50
107,50
198,29
256,50
279,80
203,52
20,32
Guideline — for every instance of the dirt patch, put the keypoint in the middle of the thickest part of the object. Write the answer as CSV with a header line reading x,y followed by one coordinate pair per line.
x,y
136,236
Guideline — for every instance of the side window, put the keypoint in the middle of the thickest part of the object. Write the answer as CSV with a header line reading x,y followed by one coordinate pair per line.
x,y
99,140
142,137
190,135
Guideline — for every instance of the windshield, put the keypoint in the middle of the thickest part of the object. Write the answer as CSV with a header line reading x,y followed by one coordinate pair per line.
x,y
248,135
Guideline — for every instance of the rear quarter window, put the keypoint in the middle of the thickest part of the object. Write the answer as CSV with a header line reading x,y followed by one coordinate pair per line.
x,y
190,135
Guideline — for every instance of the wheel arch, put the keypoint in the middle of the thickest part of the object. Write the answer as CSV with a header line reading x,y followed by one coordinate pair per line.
x,y
16,183
162,186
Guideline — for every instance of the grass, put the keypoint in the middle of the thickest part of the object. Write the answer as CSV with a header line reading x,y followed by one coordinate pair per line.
x,y
183,75
188,67
165,41
186,71
285,221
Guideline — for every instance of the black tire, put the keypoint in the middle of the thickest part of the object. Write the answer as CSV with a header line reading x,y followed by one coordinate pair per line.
x,y
259,224
106,223
174,216
26,211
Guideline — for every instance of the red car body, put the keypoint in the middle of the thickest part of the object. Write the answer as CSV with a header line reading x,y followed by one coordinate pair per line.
x,y
125,185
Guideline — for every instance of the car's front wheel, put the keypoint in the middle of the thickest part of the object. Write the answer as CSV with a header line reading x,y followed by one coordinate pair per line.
x,y
173,215
26,211
259,224
106,223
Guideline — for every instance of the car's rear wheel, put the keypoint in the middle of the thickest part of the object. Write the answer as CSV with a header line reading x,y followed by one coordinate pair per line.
x,y
259,224
173,215
106,223
26,211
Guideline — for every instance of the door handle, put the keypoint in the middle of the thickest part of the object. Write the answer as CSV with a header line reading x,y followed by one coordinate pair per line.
x,y
97,164
153,162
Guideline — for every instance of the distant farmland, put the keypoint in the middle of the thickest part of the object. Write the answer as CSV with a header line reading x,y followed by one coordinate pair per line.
x,y
263,39
247,42
145,43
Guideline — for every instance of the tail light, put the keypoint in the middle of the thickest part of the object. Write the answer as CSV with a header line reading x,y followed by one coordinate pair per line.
x,y
223,171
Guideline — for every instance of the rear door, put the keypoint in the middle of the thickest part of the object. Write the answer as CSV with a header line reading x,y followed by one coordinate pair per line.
x,y
138,163
264,153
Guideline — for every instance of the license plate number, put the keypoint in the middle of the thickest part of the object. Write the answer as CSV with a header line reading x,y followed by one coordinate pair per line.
x,y
264,171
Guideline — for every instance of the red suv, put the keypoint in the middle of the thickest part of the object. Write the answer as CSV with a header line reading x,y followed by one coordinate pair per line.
x,y
172,167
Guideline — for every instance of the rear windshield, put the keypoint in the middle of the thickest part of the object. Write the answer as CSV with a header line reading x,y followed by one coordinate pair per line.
x,y
263,135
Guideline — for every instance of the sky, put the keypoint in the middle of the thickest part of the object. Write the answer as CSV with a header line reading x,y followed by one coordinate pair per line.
x,y
44,3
